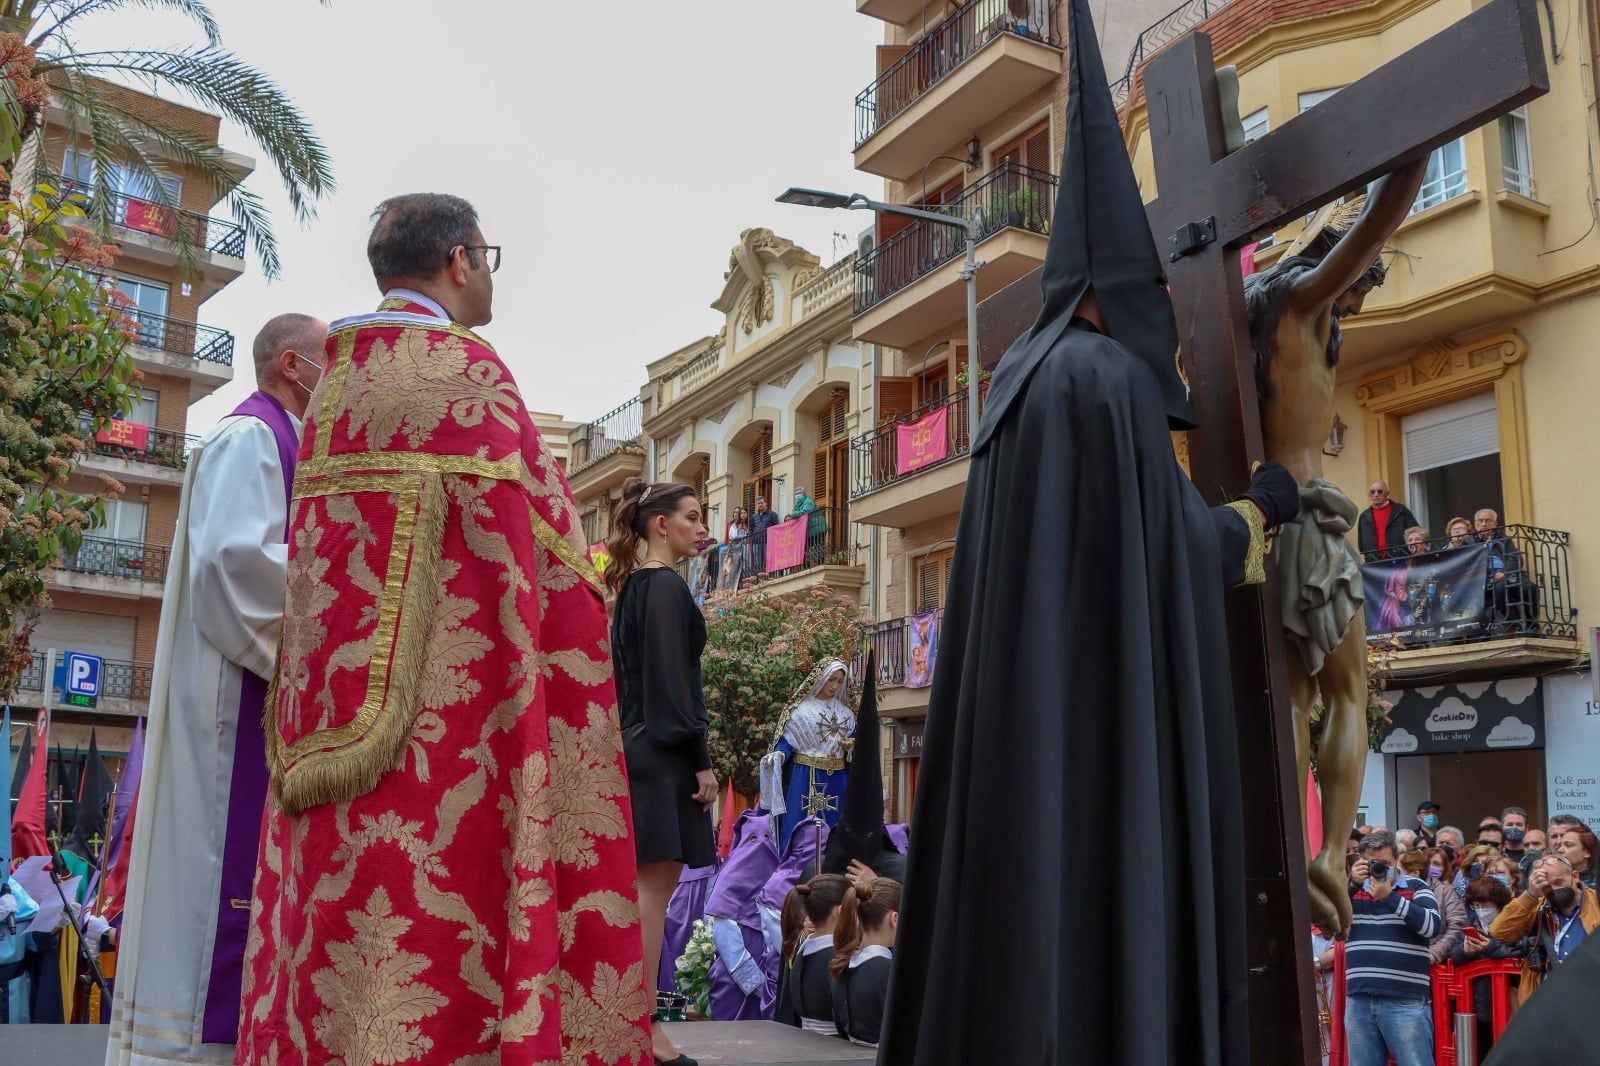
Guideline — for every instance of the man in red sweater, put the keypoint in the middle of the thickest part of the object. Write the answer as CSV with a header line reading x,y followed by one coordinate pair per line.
x,y
1381,529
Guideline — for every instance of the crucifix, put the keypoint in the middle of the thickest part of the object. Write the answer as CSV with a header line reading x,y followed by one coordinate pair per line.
x,y
1213,202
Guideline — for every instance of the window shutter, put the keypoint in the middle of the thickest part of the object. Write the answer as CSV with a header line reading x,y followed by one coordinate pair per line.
x,y
1038,150
1452,433
933,575
821,491
896,398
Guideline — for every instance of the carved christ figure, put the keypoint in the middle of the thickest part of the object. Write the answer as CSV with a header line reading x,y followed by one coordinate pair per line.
x,y
1294,309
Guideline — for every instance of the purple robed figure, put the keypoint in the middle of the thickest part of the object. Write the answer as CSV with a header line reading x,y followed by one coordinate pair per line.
x,y
738,977
687,904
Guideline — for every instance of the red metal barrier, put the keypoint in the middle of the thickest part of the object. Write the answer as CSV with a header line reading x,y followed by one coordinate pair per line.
x,y
1452,993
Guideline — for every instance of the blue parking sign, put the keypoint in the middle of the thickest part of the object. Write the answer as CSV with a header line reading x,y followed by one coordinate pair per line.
x,y
83,674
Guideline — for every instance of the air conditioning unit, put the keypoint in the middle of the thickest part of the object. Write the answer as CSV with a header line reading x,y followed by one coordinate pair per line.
x,y
866,243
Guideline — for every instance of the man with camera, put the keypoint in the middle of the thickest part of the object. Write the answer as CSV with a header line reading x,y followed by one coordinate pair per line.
x,y
1386,960
1558,910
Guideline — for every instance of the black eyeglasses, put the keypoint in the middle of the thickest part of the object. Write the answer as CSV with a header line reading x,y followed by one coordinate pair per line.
x,y
491,253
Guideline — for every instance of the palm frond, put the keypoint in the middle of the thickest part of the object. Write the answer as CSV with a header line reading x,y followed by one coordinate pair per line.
x,y
64,13
221,80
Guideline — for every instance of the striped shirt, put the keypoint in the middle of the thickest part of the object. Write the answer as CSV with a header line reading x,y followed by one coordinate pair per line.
x,y
1387,954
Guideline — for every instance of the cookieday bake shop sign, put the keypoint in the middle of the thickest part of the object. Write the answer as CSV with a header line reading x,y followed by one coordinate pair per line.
x,y
1471,716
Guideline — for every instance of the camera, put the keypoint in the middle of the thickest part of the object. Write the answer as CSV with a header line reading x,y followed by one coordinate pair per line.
x,y
1378,871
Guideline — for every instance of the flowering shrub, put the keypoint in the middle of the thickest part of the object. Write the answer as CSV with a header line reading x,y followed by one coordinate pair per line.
x,y
759,649
692,972
63,358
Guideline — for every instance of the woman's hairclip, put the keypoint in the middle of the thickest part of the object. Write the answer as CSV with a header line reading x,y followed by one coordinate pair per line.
x,y
647,491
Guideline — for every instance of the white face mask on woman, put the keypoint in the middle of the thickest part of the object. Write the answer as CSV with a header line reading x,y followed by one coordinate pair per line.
x,y
1486,915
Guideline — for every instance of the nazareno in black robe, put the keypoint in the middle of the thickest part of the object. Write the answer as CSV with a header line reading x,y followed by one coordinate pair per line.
x,y
1073,890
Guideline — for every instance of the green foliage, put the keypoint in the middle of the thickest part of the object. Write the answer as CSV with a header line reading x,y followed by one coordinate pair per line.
x,y
759,649
1380,668
692,970
63,362
120,135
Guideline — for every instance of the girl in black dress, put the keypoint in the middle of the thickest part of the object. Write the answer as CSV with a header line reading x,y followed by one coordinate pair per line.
x,y
863,942
804,996
657,635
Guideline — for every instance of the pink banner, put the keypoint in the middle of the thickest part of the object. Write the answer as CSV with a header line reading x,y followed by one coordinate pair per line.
x,y
125,434
1247,258
922,443
786,544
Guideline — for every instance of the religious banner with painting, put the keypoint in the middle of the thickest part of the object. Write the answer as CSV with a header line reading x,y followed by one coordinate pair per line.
x,y
124,434
923,442
1437,596
786,544
922,639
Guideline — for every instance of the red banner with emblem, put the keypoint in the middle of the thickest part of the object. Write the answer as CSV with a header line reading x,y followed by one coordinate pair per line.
x,y
125,434
923,442
786,544
147,217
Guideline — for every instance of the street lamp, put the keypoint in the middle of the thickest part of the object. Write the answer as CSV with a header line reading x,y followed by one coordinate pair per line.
x,y
969,267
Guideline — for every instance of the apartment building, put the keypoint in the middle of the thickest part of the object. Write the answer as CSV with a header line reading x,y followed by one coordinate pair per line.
x,y
106,596
964,116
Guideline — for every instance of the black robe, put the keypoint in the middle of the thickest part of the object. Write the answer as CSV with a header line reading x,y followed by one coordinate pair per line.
x,y
858,995
1083,689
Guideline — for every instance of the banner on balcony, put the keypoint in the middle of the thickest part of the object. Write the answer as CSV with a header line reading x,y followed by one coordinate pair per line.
x,y
1247,258
147,217
599,555
922,637
923,442
786,544
124,434
1435,597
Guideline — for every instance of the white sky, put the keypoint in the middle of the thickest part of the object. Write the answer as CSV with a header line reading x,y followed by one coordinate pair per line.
x,y
616,150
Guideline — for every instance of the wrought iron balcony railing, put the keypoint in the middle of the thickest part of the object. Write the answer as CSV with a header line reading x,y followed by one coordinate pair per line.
x,y
131,560
219,236
161,448
611,432
891,640
944,48
177,337
1009,196
876,461
120,679
742,564
1527,590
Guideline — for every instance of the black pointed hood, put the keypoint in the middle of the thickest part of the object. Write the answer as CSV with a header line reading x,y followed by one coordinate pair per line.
x,y
1100,235
860,832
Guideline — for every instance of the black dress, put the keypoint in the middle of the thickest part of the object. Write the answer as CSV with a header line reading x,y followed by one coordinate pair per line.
x,y
657,635
858,995
805,999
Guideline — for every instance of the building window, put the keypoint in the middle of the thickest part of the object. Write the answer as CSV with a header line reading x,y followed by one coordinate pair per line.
x,y
933,576
78,167
1516,157
1452,456
124,520
759,483
147,306
1309,100
145,407
1446,177
1257,124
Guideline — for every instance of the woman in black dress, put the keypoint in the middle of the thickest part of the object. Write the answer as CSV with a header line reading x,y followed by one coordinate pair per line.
x,y
657,635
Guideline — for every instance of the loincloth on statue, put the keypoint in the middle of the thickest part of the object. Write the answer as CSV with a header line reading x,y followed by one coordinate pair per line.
x,y
1321,574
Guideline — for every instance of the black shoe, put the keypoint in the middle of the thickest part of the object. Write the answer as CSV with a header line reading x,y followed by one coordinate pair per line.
x,y
681,1060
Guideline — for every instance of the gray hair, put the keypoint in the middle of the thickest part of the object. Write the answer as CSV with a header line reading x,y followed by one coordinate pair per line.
x,y
1451,829
303,333
1375,842
413,235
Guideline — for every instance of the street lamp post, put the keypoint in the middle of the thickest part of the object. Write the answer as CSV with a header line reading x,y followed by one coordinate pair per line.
x,y
969,267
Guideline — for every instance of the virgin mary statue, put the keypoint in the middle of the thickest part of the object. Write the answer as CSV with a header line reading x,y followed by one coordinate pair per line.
x,y
811,751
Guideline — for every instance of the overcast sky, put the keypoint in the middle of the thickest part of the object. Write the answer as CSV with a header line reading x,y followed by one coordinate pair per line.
x,y
615,150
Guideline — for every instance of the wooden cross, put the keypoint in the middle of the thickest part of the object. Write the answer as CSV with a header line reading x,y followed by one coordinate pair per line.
x,y
1484,66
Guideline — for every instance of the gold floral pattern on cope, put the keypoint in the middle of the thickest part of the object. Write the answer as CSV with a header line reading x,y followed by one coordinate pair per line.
x,y
413,385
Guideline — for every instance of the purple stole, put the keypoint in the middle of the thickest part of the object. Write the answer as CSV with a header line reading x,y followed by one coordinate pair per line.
x,y
247,797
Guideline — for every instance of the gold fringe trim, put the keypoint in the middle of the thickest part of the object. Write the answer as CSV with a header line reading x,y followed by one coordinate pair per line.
x,y
321,767
1255,558
562,549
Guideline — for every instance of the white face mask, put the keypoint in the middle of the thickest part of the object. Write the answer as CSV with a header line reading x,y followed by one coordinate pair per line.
x,y
1486,915
302,384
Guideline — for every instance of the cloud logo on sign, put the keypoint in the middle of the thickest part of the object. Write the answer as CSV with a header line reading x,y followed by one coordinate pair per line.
x,y
1399,742
1516,689
1512,732
1452,716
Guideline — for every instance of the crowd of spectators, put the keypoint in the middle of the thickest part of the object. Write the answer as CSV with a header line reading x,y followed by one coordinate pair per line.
x,y
1423,897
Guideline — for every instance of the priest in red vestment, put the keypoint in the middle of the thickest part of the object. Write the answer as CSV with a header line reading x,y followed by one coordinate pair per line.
x,y
447,866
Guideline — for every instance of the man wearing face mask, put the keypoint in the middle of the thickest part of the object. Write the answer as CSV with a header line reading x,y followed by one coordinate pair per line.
x,y
1557,910
1427,824
1514,825
204,782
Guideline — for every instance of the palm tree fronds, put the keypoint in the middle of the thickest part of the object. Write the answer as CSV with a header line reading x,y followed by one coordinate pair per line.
x,y
223,81
65,12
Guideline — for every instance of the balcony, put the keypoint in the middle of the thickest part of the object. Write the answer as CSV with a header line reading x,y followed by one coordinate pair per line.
x,y
910,284
914,468
126,569
606,452
898,12
175,347
829,558
694,374
137,454
970,68
124,686
1528,618
890,639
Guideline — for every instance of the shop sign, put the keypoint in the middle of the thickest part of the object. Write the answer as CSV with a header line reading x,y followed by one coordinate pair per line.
x,y
1572,748
908,740
1469,716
